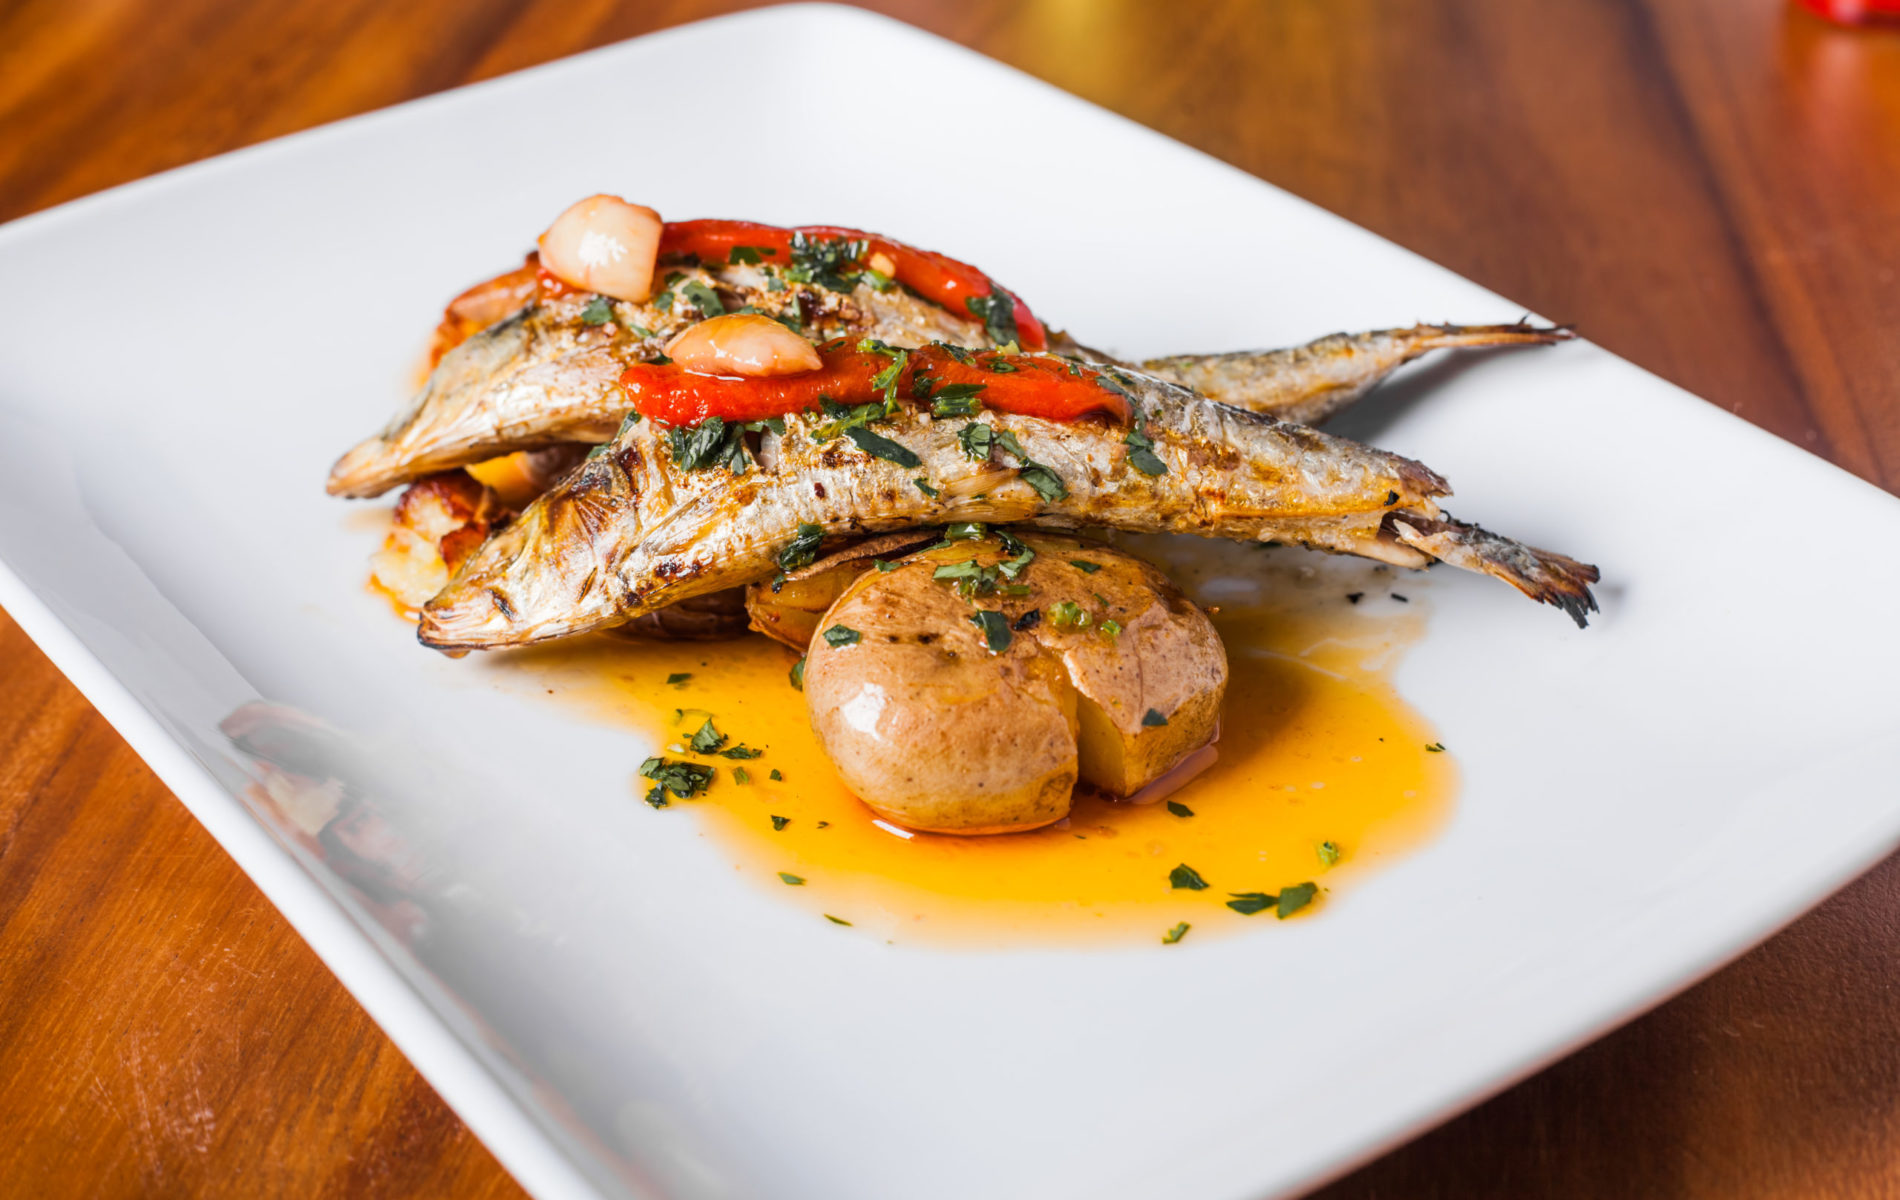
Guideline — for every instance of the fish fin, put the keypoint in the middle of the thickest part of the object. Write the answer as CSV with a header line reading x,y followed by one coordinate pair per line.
x,y
1540,574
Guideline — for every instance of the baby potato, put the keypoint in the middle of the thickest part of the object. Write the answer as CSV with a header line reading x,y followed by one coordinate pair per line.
x,y
790,610
967,689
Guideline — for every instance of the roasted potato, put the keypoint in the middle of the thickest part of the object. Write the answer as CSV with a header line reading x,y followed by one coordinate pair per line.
x,y
966,689
788,610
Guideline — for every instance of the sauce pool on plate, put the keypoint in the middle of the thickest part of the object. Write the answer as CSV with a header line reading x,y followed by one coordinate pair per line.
x,y
1323,773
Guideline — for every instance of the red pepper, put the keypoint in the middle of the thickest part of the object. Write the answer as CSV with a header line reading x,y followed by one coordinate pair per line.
x,y
936,277
1014,383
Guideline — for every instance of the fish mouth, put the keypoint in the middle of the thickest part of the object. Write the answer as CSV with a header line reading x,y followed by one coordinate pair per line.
x,y
473,620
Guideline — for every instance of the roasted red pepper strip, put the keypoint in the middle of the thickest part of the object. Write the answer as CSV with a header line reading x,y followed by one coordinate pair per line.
x,y
1032,386
936,277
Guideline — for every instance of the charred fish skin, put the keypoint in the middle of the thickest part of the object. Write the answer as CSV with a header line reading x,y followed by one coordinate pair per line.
x,y
630,531
1307,384
549,373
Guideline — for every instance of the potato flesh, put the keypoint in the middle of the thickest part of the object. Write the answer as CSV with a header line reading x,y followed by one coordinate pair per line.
x,y
934,732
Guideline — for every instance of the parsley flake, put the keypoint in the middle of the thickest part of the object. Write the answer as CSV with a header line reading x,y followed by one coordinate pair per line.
x,y
1435,748
926,489
599,311
836,920
802,550
703,298
791,880
1328,853
997,311
798,681
780,822
995,627
710,443
1179,809
841,635
683,779
1249,903
1295,898
1087,568
879,446
776,776
1176,934
707,740
1184,876
679,677
1153,717
741,775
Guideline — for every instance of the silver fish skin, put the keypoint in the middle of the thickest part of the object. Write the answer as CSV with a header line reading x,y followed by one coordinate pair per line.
x,y
545,376
1307,384
630,532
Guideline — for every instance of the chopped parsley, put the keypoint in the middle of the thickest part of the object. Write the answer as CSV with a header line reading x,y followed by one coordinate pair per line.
x,y
1249,903
703,298
1047,483
1153,717
955,399
841,417
826,262
976,438
776,776
879,446
1068,615
791,880
1179,809
1141,452
707,740
997,311
1295,898
1087,568
1284,903
1176,934
1184,876
599,311
741,751
741,775
1435,748
752,255
798,681
679,677
965,531
683,779
779,822
836,920
1328,853
926,489
802,550
883,567
995,627
1014,567
710,443
841,635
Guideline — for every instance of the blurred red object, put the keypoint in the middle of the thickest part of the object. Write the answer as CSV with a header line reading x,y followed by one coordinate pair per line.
x,y
1855,12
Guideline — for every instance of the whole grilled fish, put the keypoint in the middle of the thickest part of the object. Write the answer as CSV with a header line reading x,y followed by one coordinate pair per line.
x,y
548,373
1309,383
634,529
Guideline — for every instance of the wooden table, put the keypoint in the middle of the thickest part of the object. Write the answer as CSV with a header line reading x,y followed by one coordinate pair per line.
x,y
1710,188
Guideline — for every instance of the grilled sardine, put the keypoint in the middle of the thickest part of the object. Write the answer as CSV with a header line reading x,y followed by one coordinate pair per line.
x,y
632,530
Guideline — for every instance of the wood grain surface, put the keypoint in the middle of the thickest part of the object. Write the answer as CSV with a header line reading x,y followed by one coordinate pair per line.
x,y
1710,188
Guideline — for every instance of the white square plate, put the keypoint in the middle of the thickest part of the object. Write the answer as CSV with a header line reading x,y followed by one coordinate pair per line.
x,y
590,988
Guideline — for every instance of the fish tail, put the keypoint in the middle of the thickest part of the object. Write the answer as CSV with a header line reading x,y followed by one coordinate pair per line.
x,y
1425,338
1543,575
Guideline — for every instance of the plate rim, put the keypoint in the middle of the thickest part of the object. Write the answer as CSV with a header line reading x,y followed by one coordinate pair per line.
x,y
468,1085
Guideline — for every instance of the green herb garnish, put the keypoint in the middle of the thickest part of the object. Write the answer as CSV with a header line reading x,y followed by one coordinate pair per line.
x,y
791,880
1249,903
997,311
703,298
1435,748
842,635
926,489
708,444
752,255
836,920
683,779
1176,934
1179,809
707,740
995,627
1184,876
825,262
965,531
798,681
1067,614
1087,568
775,776
802,550
1153,717
1141,454
780,822
599,311
956,400
879,446
740,775
679,677
1295,898
1328,853
976,438
741,751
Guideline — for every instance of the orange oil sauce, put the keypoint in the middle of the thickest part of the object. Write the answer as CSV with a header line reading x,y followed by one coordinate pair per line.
x,y
1316,746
